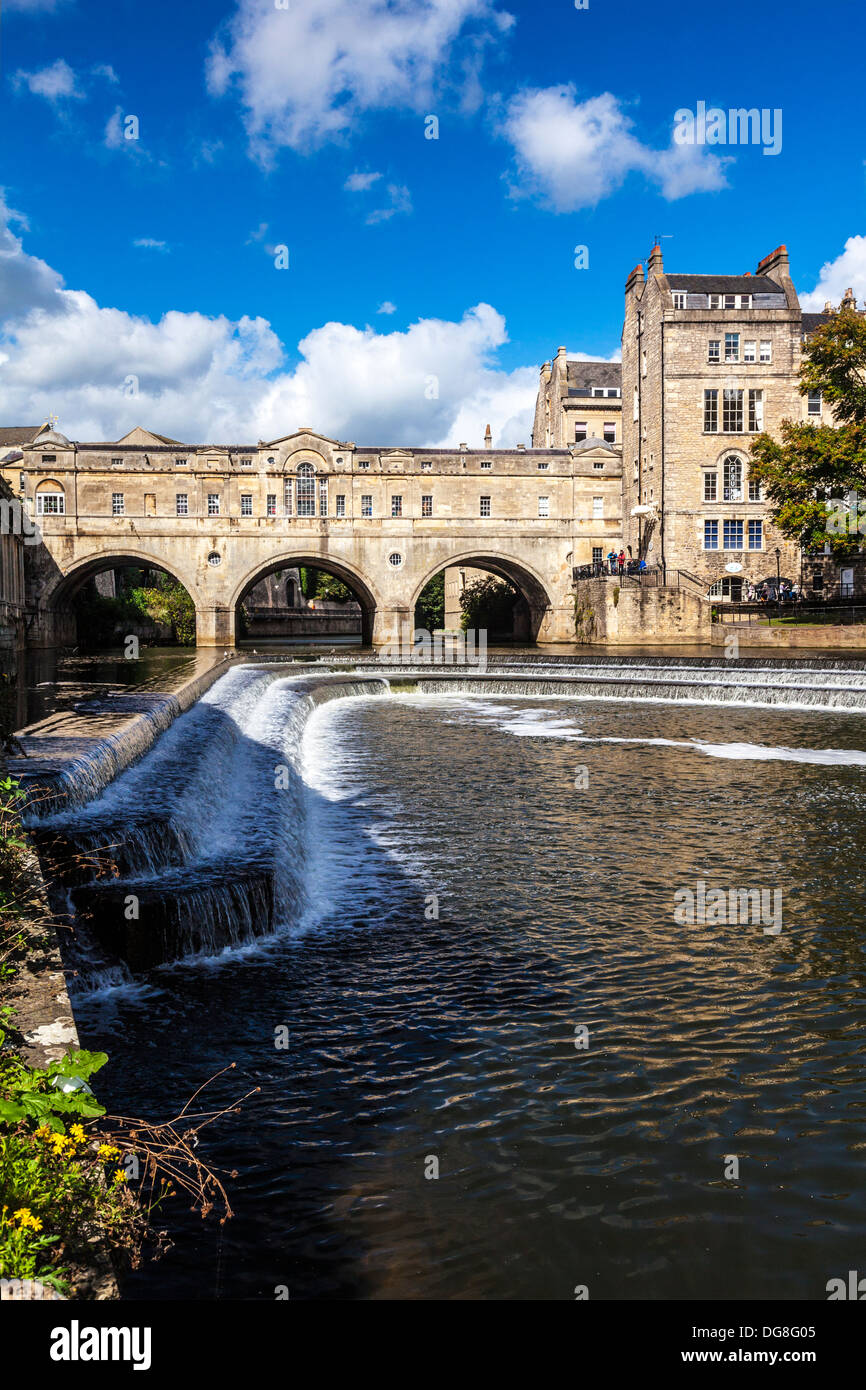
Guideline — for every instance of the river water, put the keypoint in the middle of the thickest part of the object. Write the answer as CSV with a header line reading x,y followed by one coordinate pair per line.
x,y
481,972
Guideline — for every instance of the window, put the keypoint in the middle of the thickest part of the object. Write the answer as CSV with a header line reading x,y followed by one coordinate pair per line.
x,y
643,363
597,554
732,347
543,466
814,402
306,489
246,504
181,503
597,508
340,504
178,463
271,504
544,506
118,506
733,535
50,504
396,505
756,535
486,465
711,487
323,497
214,558
287,497
579,432
756,411
715,301
116,463
714,348
426,465
610,432
485,507
750,348
366,504
732,411
679,299
636,404
731,587
711,535
427,504
246,463
733,479
755,493
766,350
213,504
395,559
363,463
711,412
730,301
598,466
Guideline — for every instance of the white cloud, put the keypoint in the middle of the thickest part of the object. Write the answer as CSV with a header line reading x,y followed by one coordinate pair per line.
x,y
386,307
848,271
305,74
33,6
399,201
149,243
56,82
359,183
211,378
572,153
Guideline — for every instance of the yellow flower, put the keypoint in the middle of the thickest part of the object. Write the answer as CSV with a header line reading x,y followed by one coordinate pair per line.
x,y
77,1133
120,1176
107,1151
25,1218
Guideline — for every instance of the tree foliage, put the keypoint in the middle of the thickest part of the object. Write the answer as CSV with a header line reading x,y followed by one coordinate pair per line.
x,y
430,608
813,466
489,604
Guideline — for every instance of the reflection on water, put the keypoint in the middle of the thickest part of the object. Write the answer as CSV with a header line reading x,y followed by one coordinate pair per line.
x,y
415,1037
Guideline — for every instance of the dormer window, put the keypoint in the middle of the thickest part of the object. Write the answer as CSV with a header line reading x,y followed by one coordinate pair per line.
x,y
680,299
363,464
246,463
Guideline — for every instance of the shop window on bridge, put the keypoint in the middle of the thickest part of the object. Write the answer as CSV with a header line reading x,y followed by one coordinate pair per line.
x,y
271,507
323,497
306,490
50,503
287,497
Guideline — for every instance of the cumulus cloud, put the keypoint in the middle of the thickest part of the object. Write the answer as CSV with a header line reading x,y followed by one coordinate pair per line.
x,y
386,307
212,378
55,83
572,154
359,183
399,201
847,271
305,74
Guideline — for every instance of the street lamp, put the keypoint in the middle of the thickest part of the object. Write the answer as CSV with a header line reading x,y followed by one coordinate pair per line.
x,y
778,576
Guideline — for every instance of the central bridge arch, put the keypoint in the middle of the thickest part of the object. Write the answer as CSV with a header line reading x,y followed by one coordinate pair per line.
x,y
359,584
530,586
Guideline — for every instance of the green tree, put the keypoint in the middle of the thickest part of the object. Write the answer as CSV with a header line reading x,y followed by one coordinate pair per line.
x,y
489,603
430,608
809,471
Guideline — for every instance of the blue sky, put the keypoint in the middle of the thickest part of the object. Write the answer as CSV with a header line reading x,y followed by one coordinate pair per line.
x,y
262,127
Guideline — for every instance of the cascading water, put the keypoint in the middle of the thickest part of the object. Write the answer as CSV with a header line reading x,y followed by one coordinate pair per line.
x,y
202,843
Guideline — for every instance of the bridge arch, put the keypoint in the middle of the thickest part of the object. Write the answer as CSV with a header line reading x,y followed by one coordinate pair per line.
x,y
55,621
358,583
525,580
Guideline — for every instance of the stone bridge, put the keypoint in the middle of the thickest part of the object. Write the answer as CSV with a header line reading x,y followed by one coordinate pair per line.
x,y
383,520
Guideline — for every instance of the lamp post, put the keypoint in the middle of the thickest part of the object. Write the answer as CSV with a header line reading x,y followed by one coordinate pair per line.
x,y
778,581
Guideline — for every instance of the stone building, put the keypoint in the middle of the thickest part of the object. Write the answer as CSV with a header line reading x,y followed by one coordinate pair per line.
x,y
708,361
577,400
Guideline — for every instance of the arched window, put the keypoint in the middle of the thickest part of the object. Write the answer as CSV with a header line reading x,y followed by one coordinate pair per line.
x,y
50,498
306,490
733,479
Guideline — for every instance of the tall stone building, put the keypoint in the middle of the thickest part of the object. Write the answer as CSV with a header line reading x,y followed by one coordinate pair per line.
x,y
576,401
708,361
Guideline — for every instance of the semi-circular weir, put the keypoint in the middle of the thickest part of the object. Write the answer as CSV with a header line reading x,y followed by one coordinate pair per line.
x,y
454,890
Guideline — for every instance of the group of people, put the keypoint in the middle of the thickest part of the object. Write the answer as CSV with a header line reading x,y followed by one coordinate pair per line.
x,y
620,564
766,593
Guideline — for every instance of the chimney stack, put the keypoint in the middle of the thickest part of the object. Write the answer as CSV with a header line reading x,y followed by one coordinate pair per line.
x,y
488,438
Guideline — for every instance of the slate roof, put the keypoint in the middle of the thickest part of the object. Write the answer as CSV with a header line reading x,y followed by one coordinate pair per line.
x,y
725,284
588,374
18,434
813,321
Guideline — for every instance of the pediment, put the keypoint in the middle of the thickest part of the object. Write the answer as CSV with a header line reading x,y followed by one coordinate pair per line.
x,y
140,438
